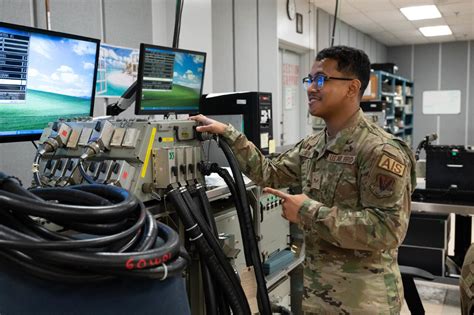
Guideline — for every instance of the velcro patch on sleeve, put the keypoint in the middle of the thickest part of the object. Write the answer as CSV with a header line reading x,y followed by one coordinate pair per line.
x,y
391,165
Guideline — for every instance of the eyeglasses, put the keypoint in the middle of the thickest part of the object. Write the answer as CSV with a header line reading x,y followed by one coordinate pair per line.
x,y
320,79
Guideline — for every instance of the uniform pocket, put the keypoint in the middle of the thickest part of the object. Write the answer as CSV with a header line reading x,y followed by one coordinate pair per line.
x,y
305,159
328,186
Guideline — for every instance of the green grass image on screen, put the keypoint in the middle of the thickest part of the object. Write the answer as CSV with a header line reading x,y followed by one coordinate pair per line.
x,y
41,108
179,96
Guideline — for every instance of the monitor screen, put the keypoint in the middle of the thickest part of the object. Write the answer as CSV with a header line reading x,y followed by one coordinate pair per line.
x,y
169,80
44,76
117,70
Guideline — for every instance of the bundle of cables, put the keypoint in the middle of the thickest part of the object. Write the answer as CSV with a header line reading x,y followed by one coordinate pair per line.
x,y
109,234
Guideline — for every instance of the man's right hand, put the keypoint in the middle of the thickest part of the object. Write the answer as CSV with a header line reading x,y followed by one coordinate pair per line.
x,y
209,125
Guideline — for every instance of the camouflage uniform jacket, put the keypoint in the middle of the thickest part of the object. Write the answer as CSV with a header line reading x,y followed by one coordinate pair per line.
x,y
359,184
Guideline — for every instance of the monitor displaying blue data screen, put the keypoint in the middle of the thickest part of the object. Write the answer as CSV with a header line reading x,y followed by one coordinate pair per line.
x,y
169,80
117,70
44,76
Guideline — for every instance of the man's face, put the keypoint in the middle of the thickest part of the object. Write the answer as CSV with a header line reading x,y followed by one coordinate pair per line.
x,y
328,100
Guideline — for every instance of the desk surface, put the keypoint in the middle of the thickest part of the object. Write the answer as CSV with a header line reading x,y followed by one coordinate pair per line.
x,y
437,207
429,207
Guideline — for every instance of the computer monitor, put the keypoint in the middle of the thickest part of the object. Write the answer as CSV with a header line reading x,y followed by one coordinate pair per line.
x,y
117,70
169,80
44,76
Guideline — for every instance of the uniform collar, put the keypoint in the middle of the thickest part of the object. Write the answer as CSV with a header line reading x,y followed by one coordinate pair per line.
x,y
343,138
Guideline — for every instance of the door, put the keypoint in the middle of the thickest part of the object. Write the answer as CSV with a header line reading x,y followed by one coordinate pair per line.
x,y
290,96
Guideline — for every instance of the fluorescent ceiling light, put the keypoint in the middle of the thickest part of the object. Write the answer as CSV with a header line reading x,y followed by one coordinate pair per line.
x,y
439,30
422,12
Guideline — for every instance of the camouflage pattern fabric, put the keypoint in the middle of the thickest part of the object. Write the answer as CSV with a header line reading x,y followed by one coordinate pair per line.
x,y
360,183
466,283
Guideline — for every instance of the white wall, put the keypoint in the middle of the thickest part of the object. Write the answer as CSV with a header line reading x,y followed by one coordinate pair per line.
x,y
196,34
287,28
196,29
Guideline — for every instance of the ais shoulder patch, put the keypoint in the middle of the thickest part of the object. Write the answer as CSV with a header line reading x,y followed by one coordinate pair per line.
x,y
391,165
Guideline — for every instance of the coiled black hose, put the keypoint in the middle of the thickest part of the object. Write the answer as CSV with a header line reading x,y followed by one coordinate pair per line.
x,y
262,292
85,256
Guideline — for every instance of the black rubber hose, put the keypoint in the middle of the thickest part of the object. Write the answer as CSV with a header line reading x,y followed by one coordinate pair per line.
x,y
9,184
72,196
212,241
205,208
237,304
262,292
66,212
72,259
224,174
210,289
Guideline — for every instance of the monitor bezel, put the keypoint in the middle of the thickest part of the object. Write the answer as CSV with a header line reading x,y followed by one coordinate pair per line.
x,y
138,98
36,136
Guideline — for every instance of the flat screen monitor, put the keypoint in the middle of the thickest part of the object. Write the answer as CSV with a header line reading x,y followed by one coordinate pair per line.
x,y
117,70
169,80
44,76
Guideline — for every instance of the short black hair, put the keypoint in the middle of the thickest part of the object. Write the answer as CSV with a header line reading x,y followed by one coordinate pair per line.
x,y
351,61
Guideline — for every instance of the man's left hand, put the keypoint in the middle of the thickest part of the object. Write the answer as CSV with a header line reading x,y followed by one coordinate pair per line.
x,y
291,203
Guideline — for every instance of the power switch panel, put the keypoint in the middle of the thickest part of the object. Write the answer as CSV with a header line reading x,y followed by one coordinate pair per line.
x,y
181,164
122,174
85,135
165,171
189,162
131,138
117,138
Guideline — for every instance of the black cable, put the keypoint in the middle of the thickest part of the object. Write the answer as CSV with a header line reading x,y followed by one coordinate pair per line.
x,y
212,241
35,145
211,291
177,22
334,23
84,174
232,292
85,256
262,292
201,199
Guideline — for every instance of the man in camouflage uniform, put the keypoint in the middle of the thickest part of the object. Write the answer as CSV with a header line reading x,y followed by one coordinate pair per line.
x,y
357,181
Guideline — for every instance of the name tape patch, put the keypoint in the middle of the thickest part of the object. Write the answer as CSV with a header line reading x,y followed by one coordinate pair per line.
x,y
344,159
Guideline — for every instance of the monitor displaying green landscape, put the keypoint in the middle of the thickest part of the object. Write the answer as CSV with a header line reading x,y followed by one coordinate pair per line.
x,y
44,76
170,80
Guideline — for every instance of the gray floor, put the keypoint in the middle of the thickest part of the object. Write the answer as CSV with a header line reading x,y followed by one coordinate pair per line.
x,y
438,298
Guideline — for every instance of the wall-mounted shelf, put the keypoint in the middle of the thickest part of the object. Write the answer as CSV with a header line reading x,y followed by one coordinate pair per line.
x,y
396,93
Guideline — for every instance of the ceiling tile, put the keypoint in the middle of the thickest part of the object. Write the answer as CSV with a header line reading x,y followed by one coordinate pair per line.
x,y
410,3
346,8
452,9
430,22
439,39
383,20
370,6
461,18
408,33
399,26
462,28
387,15
356,19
